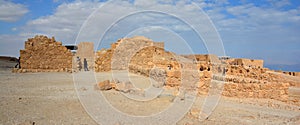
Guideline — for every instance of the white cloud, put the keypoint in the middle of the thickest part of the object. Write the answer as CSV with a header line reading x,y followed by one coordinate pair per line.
x,y
239,25
66,21
268,29
249,15
279,3
14,29
11,44
145,3
11,12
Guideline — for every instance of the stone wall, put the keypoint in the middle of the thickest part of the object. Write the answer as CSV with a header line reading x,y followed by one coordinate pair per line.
x,y
139,55
151,59
292,73
207,58
243,78
246,62
121,59
278,91
103,60
243,85
45,54
120,54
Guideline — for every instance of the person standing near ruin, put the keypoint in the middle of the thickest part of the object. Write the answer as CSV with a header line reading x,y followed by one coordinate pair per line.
x,y
79,63
85,65
18,63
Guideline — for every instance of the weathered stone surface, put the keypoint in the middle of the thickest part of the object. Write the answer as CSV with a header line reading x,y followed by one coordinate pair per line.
x,y
246,63
45,54
104,85
159,75
103,60
243,78
124,87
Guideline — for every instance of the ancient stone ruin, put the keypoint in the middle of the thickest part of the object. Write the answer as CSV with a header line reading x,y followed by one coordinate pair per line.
x,y
290,73
246,62
43,54
243,78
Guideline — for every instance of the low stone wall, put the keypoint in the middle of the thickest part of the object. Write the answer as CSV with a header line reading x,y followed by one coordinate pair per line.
x,y
292,73
207,58
278,91
246,62
240,86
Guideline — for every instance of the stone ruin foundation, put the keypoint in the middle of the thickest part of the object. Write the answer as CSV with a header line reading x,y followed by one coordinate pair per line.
x,y
244,78
43,54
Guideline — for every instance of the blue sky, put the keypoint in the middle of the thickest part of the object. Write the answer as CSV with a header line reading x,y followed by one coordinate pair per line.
x,y
260,29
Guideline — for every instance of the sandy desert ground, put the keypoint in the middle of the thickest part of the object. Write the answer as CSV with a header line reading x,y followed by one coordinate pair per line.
x,y
51,98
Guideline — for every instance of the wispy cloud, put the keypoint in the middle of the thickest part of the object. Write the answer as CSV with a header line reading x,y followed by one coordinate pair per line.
x,y
250,30
11,12
65,22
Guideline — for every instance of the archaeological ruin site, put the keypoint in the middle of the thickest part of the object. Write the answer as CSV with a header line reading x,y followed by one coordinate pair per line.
x,y
243,78
204,74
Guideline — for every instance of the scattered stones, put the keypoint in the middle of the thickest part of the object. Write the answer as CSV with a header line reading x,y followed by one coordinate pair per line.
x,y
159,76
104,85
139,92
194,113
124,87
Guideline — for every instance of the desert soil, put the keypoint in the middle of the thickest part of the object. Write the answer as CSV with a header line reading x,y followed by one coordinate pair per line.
x,y
51,98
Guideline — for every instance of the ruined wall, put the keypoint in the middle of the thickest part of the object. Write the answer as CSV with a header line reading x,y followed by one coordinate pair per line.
x,y
119,55
139,55
292,73
127,48
246,62
44,54
103,60
277,91
152,59
244,78
207,58
247,83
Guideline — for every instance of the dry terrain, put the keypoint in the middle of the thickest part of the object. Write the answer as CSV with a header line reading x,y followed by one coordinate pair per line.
x,y
51,98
